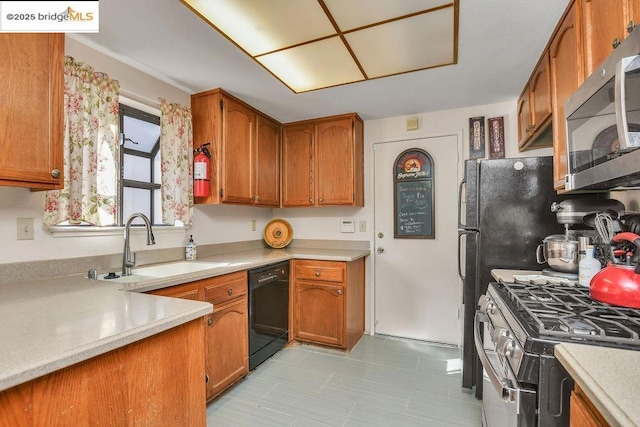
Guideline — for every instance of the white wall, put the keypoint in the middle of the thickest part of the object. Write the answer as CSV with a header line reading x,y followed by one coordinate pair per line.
x,y
212,224
324,223
220,224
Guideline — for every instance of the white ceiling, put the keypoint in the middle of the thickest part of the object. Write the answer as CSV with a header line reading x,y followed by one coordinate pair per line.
x,y
499,44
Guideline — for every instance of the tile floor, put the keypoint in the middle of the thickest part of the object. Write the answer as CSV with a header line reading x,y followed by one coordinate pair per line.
x,y
383,381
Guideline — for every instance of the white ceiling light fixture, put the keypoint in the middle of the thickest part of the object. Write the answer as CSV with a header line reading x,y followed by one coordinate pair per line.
x,y
315,44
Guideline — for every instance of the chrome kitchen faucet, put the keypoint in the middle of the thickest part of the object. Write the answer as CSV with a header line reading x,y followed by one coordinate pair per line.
x,y
129,261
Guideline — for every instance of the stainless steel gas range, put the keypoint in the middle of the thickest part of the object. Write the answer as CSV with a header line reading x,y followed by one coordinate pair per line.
x,y
517,326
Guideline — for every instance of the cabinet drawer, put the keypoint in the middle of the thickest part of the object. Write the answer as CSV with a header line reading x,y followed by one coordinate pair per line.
x,y
326,271
225,289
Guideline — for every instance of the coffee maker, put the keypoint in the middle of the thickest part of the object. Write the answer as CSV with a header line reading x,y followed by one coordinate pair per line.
x,y
562,252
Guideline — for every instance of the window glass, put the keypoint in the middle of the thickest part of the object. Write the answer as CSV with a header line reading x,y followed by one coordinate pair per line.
x,y
136,200
137,168
156,169
140,134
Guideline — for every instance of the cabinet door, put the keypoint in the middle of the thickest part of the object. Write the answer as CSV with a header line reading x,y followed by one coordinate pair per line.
x,y
237,152
319,313
541,94
566,76
604,24
297,165
31,111
524,117
335,162
633,15
227,342
267,192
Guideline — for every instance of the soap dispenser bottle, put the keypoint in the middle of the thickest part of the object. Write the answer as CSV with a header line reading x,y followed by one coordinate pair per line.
x,y
191,250
587,267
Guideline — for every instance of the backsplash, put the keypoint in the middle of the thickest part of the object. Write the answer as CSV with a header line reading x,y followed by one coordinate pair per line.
x,y
34,270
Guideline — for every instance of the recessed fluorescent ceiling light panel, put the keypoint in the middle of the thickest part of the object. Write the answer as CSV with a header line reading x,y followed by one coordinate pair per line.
x,y
315,44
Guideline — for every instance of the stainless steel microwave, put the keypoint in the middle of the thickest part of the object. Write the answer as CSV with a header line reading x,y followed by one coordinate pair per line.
x,y
603,123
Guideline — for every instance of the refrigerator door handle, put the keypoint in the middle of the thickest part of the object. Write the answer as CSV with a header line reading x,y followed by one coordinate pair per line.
x,y
460,234
462,184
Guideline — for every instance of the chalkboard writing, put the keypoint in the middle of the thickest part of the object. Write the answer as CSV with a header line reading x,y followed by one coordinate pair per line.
x,y
413,199
413,202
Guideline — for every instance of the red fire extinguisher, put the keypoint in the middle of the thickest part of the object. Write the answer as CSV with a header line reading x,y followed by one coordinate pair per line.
x,y
201,172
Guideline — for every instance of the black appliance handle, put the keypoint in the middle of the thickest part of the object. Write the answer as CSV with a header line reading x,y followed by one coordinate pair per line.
x,y
462,183
460,234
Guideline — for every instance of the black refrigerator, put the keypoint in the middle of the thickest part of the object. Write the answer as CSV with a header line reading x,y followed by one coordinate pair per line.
x,y
506,215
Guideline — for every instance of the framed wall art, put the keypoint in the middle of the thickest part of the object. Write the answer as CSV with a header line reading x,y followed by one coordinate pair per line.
x,y
496,137
413,199
476,138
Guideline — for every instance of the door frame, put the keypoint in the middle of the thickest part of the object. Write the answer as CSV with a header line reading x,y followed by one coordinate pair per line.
x,y
459,176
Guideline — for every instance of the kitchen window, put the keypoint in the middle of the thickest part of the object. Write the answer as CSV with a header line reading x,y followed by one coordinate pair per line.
x,y
139,184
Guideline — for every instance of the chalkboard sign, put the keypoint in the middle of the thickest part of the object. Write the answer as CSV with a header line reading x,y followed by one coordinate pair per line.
x,y
413,195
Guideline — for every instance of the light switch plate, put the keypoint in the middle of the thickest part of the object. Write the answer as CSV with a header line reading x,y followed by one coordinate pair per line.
x,y
24,229
348,226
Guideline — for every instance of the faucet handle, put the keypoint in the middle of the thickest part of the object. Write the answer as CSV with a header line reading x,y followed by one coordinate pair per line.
x,y
133,259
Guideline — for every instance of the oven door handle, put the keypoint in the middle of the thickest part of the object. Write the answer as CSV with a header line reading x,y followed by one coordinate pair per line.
x,y
503,386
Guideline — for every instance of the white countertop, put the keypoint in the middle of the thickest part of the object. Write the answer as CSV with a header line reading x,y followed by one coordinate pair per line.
x,y
608,376
53,323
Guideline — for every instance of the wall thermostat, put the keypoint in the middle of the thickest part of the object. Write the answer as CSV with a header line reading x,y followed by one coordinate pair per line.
x,y
348,226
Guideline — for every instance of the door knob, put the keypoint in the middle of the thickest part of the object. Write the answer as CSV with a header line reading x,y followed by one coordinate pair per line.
x,y
380,235
380,249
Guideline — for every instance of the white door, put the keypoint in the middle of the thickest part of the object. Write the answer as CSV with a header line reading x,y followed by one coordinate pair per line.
x,y
417,288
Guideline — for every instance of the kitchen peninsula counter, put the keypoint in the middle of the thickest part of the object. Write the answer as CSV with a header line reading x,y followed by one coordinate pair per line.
x,y
50,324
608,376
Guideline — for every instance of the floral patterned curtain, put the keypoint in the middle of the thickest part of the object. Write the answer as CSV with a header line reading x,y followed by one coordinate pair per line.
x,y
176,151
91,149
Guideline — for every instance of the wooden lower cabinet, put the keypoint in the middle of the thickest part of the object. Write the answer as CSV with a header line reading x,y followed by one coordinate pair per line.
x,y
582,412
227,346
328,302
227,328
154,381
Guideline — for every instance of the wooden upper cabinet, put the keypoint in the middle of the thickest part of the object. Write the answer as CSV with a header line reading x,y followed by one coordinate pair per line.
x,y
323,162
540,87
245,149
297,164
604,27
31,111
566,76
267,173
335,155
524,118
534,107
237,152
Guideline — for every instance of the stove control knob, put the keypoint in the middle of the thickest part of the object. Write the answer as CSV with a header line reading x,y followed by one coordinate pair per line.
x,y
491,307
509,347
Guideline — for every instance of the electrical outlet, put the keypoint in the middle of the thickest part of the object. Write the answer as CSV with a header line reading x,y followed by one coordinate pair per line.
x,y
24,228
253,225
363,226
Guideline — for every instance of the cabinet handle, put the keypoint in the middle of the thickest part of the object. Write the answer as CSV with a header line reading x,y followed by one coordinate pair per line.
x,y
615,43
339,291
320,200
55,173
229,291
209,322
310,201
259,198
317,274
206,379
631,26
253,198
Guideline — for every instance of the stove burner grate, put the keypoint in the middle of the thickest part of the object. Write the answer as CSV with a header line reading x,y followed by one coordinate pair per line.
x,y
568,312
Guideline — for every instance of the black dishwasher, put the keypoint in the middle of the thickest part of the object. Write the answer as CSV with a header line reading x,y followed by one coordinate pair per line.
x,y
268,311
